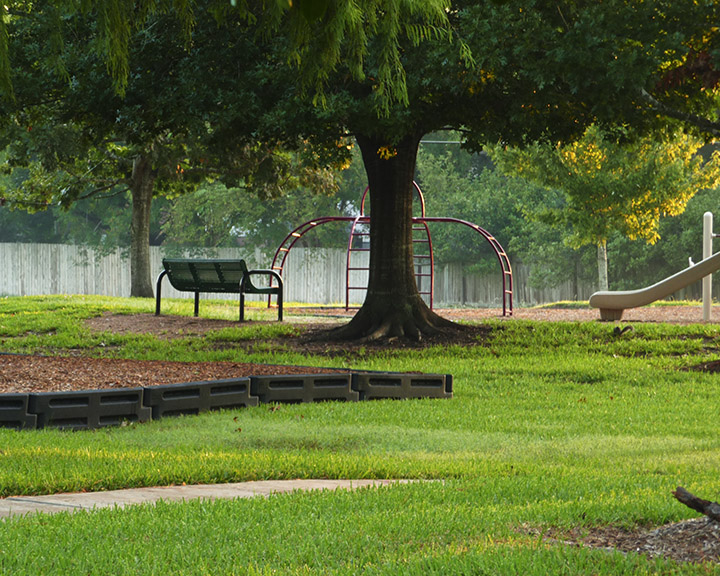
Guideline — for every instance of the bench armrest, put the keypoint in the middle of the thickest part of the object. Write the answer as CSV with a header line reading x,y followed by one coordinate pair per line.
x,y
247,287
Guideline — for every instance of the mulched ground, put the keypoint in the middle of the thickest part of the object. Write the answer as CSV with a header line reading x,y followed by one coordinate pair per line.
x,y
23,374
38,373
695,540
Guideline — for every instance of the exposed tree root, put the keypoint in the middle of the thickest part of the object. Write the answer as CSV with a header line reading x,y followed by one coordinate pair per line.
x,y
411,322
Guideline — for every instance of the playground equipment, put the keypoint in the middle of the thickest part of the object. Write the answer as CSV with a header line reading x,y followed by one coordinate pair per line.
x,y
707,252
422,243
613,304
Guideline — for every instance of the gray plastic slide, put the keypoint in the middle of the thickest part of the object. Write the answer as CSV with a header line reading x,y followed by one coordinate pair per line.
x,y
612,304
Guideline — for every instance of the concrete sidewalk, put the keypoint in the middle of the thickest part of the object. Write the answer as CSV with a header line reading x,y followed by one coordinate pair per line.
x,y
53,503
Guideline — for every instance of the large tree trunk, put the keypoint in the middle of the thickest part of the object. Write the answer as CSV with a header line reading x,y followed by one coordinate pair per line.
x,y
393,307
141,187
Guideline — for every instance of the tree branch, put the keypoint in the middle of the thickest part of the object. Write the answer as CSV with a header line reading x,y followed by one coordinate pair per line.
x,y
99,189
698,121
710,509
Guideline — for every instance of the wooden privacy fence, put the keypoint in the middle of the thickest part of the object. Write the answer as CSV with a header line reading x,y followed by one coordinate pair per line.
x,y
311,275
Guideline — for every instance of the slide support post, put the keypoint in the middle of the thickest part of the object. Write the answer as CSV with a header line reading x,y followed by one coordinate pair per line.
x,y
707,252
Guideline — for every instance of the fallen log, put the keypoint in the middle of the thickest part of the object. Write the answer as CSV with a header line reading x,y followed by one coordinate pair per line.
x,y
710,509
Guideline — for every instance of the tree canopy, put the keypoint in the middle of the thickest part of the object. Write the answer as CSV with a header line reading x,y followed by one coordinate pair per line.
x,y
538,71
615,186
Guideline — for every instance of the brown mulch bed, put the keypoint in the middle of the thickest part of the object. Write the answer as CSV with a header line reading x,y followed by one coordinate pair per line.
x,y
695,540
670,314
36,373
23,374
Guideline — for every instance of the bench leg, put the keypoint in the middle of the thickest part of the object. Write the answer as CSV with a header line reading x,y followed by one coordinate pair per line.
x,y
197,303
242,306
280,305
158,292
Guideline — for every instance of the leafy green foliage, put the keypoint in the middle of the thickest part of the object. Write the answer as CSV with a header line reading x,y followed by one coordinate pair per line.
x,y
218,216
84,139
611,186
81,138
458,185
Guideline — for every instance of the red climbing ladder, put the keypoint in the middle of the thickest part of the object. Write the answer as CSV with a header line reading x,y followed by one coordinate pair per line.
x,y
423,260
359,242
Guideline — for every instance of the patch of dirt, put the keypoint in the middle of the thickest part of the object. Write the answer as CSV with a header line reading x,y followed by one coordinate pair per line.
x,y
167,327
696,540
670,314
709,367
314,337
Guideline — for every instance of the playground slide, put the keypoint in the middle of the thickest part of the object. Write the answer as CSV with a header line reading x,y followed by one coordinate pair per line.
x,y
612,304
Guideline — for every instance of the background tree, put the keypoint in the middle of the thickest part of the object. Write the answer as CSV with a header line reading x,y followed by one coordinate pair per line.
x,y
215,215
469,187
637,264
611,186
83,139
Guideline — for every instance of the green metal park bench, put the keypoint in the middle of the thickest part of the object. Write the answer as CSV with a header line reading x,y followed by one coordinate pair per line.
x,y
216,276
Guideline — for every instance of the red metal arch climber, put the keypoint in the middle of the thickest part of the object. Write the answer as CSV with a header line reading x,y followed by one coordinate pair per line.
x,y
422,248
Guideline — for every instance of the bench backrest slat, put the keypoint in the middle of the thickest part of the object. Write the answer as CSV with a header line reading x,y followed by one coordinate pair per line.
x,y
205,275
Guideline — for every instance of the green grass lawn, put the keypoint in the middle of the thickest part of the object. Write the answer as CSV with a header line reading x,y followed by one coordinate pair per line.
x,y
551,425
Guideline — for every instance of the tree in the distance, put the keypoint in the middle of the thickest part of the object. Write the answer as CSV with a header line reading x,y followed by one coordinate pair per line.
x,y
79,138
215,216
611,186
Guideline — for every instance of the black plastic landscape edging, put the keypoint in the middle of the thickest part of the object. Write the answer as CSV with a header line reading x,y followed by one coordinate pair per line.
x,y
196,397
304,388
91,409
88,409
